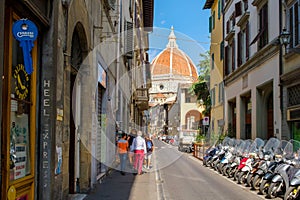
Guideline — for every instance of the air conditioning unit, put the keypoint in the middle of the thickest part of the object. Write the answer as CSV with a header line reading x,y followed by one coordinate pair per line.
x,y
293,114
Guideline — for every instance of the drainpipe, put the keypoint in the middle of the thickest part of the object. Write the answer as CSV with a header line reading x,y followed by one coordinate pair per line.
x,y
2,11
281,4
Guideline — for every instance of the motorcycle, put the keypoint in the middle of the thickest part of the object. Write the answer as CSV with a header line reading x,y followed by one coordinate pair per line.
x,y
278,161
280,181
266,157
250,158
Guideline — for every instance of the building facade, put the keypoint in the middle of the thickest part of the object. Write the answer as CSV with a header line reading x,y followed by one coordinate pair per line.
x,y
60,117
251,68
289,72
217,121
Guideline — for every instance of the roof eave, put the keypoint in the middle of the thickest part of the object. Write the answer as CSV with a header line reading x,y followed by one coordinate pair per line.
x,y
208,4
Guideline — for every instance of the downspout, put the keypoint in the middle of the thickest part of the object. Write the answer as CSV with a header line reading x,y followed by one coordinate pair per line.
x,y
118,98
2,11
280,65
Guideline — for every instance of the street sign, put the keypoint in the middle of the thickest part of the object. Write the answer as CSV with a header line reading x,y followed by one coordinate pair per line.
x,y
205,121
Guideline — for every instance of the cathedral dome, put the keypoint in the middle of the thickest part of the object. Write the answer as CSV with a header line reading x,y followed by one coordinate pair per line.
x,y
173,62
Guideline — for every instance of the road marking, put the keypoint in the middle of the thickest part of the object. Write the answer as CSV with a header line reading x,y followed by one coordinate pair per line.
x,y
159,182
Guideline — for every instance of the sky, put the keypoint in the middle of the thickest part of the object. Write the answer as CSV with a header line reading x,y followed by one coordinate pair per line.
x,y
190,24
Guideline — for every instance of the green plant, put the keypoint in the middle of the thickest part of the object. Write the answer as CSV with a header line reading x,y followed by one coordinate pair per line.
x,y
200,137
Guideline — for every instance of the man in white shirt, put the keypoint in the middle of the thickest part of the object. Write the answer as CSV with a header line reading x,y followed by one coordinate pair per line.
x,y
140,150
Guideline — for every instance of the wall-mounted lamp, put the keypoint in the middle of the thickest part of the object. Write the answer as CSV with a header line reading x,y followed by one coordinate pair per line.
x,y
284,38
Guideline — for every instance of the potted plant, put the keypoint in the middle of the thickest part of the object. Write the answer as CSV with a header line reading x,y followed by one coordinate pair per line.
x,y
200,139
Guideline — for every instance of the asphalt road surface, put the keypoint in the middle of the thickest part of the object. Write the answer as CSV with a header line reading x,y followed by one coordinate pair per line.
x,y
181,177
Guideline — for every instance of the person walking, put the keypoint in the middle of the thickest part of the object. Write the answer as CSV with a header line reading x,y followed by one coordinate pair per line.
x,y
131,149
150,148
140,150
122,151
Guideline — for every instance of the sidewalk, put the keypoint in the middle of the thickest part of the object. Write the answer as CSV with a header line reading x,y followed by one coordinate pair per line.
x,y
129,187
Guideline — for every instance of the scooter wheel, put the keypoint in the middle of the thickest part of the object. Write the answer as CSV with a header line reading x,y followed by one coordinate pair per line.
x,y
241,177
249,179
291,193
272,191
264,187
256,181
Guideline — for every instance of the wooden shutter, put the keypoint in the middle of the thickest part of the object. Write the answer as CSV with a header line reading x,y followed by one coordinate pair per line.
x,y
296,14
238,9
233,55
222,50
129,40
210,24
219,8
245,5
226,67
239,49
227,26
247,40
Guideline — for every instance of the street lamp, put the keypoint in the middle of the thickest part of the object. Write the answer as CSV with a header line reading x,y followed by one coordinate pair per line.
x,y
284,37
284,40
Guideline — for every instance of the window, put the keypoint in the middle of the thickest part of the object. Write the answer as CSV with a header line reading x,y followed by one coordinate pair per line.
x,y
262,36
219,8
210,24
221,92
229,58
222,50
213,97
187,99
263,26
212,21
243,45
212,61
293,16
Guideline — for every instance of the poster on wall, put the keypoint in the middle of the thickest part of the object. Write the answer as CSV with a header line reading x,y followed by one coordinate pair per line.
x,y
20,164
19,147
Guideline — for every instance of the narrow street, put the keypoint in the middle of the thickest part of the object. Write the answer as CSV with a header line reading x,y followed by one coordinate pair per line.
x,y
174,176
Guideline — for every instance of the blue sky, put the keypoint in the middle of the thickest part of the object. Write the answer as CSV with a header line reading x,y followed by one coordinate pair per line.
x,y
190,24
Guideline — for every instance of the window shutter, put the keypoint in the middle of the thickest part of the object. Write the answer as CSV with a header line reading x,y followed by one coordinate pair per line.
x,y
219,8
129,40
245,5
227,26
222,50
291,26
212,61
226,67
214,18
238,9
210,24
233,55
239,50
247,41
296,24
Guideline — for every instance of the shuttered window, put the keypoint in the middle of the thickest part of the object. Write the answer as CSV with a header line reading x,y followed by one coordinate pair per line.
x,y
129,39
238,9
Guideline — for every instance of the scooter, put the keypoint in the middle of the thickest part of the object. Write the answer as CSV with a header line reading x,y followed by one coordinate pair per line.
x,y
280,182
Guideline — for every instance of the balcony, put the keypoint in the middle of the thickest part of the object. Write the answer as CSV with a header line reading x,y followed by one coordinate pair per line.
x,y
142,98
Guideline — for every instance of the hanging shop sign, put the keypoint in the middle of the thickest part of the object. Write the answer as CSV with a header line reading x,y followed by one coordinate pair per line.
x,y
26,32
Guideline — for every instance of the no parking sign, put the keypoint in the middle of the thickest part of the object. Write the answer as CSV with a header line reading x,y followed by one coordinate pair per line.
x,y
205,121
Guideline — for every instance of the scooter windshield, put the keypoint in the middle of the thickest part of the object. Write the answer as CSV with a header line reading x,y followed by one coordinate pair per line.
x,y
256,145
271,145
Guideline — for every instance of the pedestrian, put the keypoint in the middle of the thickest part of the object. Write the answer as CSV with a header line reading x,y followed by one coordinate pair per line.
x,y
122,151
150,149
140,150
131,149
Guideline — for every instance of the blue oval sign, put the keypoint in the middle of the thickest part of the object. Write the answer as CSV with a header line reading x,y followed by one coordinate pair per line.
x,y
24,29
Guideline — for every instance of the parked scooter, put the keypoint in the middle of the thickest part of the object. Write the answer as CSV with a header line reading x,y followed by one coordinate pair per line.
x,y
293,189
266,157
247,162
280,182
267,178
